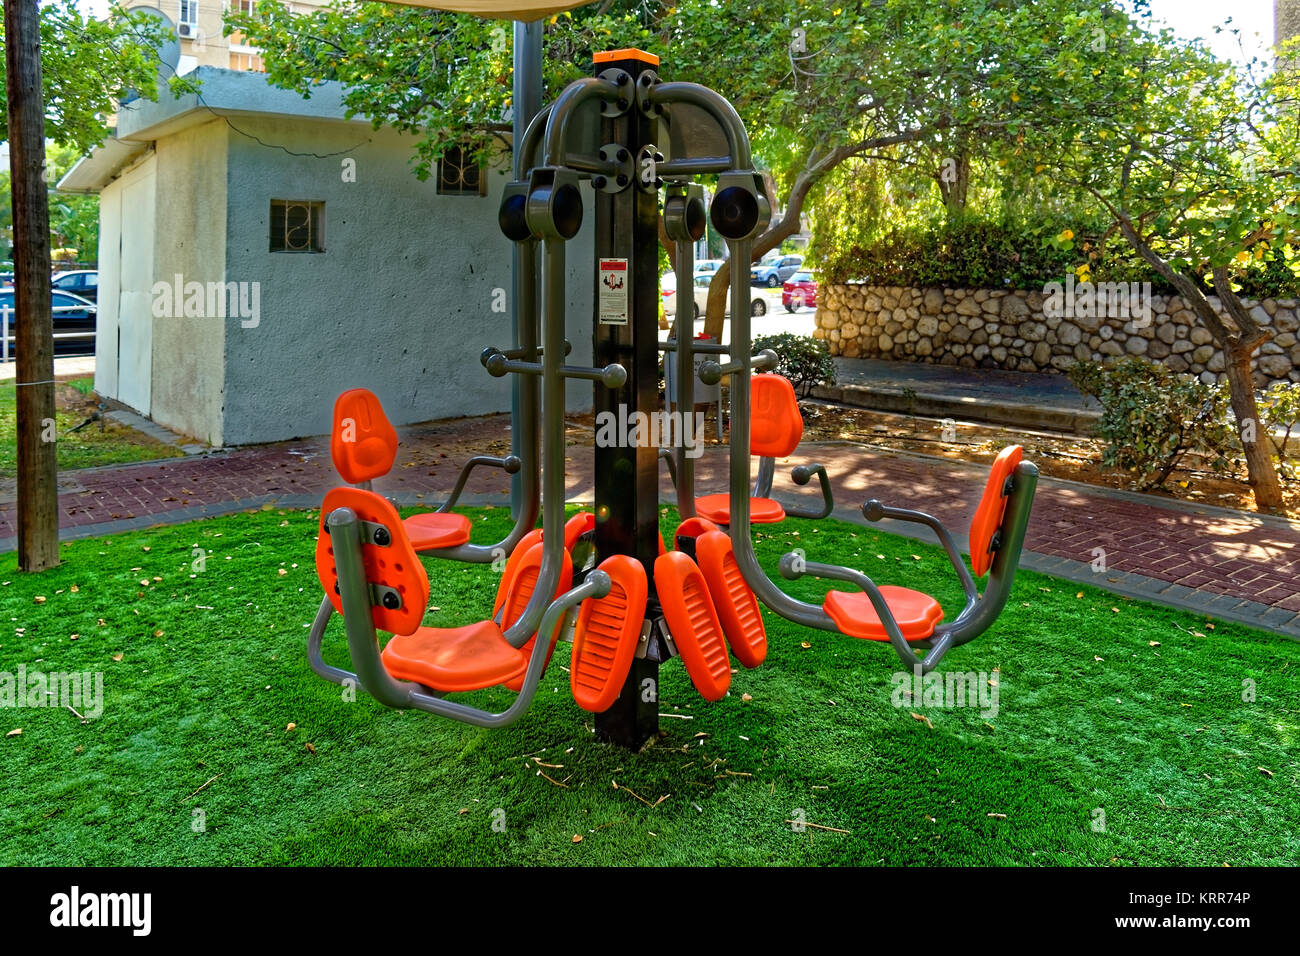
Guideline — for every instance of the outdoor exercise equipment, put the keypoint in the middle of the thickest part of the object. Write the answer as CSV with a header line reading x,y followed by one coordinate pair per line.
x,y
629,602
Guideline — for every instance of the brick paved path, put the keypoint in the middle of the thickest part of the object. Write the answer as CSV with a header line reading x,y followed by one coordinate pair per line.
x,y
1223,562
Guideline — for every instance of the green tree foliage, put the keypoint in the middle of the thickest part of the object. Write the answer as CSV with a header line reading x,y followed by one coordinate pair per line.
x,y
443,77
89,65
1195,164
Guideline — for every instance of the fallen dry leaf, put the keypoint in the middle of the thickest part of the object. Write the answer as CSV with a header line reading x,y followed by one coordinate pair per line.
x,y
746,697
805,645
282,572
15,732
117,657
74,589
1153,643
39,599
923,719
997,816
577,838
1265,771
291,726
310,749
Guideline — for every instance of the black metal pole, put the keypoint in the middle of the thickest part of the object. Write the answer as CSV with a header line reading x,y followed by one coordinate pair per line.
x,y
627,478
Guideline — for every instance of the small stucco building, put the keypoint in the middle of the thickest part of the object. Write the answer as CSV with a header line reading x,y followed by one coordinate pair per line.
x,y
260,253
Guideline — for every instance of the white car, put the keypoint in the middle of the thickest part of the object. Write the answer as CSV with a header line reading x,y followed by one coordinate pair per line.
x,y
757,304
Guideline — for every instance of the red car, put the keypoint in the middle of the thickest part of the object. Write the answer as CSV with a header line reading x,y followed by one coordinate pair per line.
x,y
799,290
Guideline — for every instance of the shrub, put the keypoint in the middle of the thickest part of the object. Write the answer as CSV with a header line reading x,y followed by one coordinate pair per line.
x,y
1279,407
804,360
1152,417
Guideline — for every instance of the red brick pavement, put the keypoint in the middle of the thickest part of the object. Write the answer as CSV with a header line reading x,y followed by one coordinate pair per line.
x,y
1225,553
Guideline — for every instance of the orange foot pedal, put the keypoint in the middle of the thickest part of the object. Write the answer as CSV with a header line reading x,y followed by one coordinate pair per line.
x,y
605,639
732,598
693,623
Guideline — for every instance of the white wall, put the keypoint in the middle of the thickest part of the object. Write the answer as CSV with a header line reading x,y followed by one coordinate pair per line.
x,y
400,301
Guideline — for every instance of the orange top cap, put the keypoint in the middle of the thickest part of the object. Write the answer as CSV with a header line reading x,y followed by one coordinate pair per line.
x,y
627,54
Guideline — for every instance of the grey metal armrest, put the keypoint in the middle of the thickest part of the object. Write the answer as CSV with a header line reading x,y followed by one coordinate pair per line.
x,y
510,465
667,455
802,474
873,510
793,566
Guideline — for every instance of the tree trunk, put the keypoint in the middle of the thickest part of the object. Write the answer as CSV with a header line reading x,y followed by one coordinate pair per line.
x,y
1259,462
1238,346
38,500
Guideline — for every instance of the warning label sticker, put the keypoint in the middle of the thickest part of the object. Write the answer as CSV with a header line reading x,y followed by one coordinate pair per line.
x,y
613,292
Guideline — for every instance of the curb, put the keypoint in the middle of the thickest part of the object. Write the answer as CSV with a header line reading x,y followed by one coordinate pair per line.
x,y
961,407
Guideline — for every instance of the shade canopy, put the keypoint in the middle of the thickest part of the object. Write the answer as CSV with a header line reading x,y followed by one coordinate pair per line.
x,y
498,9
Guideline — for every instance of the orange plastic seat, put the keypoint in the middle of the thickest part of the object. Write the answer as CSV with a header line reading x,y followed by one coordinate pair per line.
x,y
393,565
733,599
717,508
992,508
692,528
853,613
776,426
606,636
576,527
512,568
454,658
521,590
432,530
363,442
693,623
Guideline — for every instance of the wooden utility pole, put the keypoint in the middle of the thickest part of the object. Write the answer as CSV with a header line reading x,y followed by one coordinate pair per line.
x,y
38,502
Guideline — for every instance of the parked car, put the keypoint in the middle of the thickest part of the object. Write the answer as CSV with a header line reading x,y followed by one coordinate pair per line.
x,y
773,273
757,306
71,314
83,282
799,290
708,265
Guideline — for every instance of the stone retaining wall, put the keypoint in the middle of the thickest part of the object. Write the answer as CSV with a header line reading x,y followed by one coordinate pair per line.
x,y
994,328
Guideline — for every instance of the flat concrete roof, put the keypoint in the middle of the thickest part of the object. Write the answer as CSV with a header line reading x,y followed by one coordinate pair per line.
x,y
222,92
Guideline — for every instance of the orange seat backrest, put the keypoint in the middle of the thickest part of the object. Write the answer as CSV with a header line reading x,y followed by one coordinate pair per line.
x,y
775,425
363,442
576,527
992,507
394,565
693,528
524,583
512,567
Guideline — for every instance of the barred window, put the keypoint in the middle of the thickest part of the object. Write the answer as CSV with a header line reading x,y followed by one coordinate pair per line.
x,y
459,173
297,225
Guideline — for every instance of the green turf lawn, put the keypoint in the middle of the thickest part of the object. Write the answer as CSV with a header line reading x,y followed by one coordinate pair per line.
x,y
115,445
1138,713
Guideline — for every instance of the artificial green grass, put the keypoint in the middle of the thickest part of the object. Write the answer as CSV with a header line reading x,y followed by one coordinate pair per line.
x,y
114,445
1137,713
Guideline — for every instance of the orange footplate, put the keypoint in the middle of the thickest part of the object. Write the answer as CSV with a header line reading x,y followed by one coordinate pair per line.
x,y
732,598
606,636
693,623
